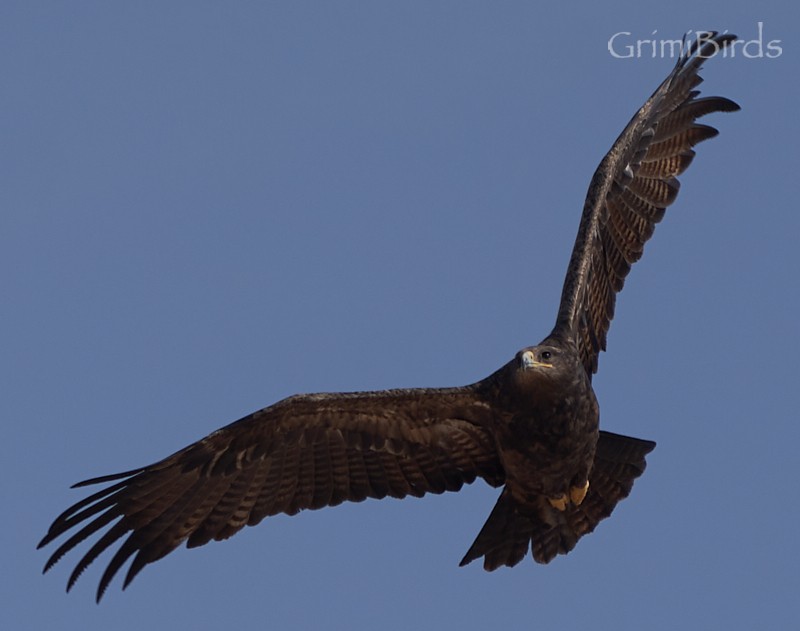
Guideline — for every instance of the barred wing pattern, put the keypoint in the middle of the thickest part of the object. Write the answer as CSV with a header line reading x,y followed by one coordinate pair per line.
x,y
628,194
305,452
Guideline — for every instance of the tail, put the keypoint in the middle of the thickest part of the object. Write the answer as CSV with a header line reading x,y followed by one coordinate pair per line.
x,y
512,528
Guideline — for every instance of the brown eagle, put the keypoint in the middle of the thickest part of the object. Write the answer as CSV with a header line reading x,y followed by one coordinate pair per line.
x,y
530,427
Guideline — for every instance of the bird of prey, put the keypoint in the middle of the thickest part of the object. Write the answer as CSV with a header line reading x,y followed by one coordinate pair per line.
x,y
530,427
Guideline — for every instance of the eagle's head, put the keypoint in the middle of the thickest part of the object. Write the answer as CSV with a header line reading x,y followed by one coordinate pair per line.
x,y
538,373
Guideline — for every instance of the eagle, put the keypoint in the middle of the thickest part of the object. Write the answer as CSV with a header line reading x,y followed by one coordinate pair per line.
x,y
531,427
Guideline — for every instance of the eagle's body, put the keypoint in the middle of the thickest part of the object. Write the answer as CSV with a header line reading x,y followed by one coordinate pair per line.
x,y
532,426
548,415
553,422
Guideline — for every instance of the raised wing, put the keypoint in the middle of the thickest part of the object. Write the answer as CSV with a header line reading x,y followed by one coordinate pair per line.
x,y
628,194
305,452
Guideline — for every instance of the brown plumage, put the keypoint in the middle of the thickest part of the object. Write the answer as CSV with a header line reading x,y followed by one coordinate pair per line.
x,y
531,427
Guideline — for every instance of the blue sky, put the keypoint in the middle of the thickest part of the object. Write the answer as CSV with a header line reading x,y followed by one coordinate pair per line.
x,y
210,206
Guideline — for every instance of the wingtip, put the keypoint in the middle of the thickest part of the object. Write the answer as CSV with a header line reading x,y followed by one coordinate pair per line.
x,y
704,45
107,478
710,43
50,563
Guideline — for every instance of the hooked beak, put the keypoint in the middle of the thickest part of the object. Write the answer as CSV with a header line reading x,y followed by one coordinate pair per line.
x,y
529,361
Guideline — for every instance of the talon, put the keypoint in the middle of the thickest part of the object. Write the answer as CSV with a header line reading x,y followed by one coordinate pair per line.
x,y
559,503
578,493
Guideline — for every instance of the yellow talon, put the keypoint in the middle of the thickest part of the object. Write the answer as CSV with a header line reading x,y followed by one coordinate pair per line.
x,y
578,493
559,503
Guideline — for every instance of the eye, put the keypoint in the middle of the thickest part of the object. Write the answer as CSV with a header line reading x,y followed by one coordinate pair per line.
x,y
546,354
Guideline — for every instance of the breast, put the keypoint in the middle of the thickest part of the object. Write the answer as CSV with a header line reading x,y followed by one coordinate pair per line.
x,y
545,448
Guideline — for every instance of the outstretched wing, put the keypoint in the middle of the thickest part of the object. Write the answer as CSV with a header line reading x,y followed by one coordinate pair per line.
x,y
305,452
628,193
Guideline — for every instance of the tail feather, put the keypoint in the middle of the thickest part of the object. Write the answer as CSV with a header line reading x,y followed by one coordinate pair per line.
x,y
512,528
504,538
